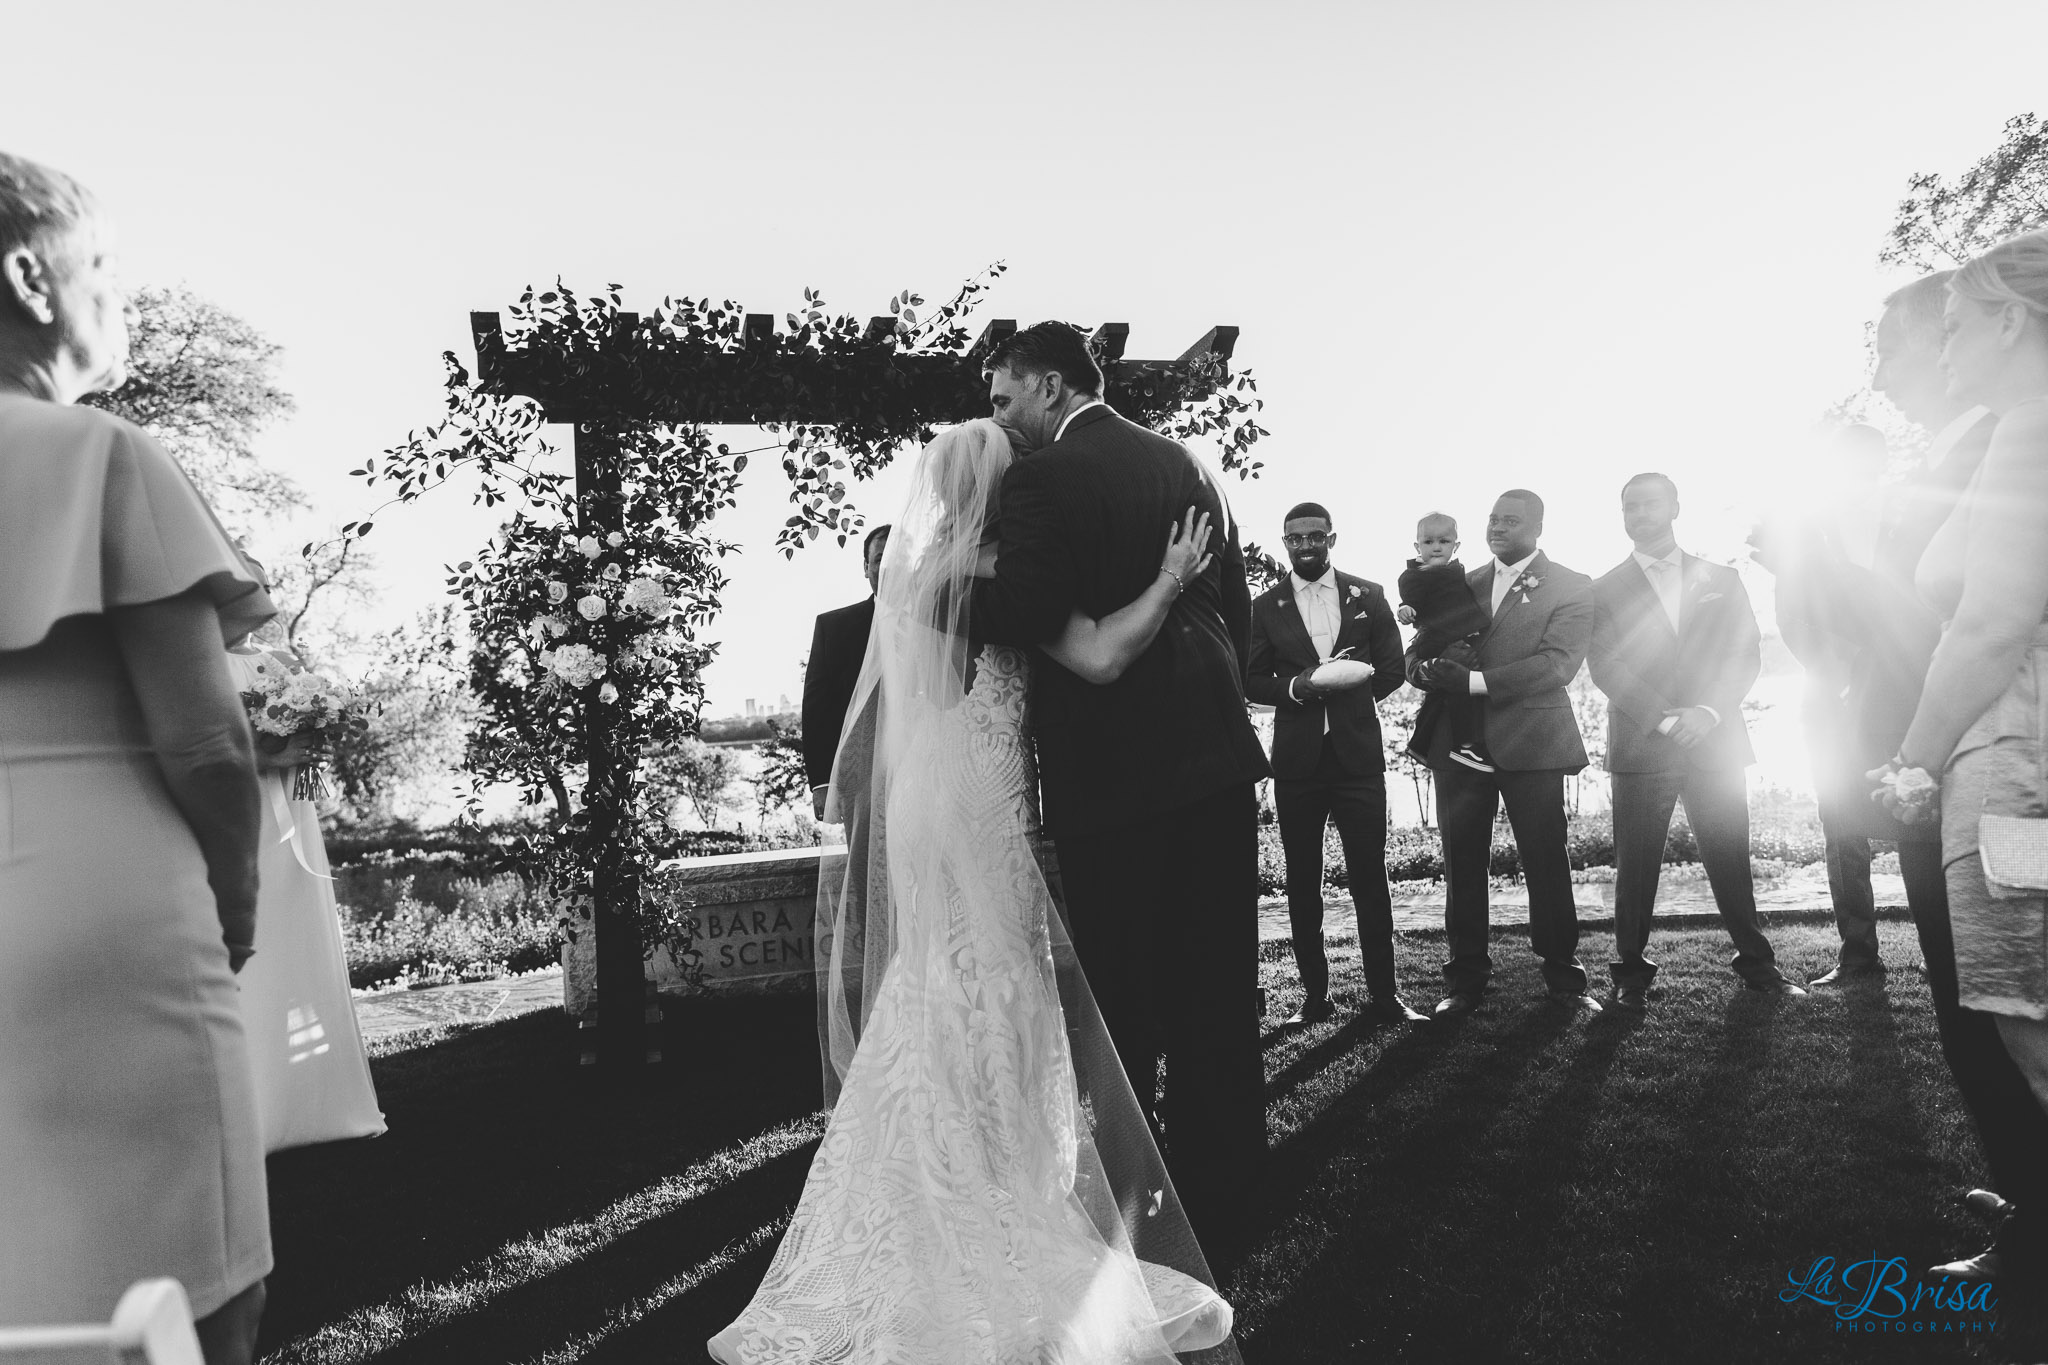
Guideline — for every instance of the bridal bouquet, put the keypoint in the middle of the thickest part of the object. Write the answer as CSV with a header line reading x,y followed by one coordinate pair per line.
x,y
291,702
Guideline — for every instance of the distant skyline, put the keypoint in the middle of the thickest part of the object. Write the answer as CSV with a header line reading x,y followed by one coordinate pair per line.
x,y
1469,246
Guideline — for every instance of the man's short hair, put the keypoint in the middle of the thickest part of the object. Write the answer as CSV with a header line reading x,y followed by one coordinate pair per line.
x,y
40,207
1049,348
1918,306
1535,503
1307,509
867,546
1670,488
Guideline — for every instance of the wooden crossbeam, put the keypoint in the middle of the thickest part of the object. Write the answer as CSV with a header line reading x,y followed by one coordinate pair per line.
x,y
1216,341
948,387
1109,342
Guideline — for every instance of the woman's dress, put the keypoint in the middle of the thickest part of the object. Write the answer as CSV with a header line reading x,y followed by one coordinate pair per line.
x,y
940,1223
1999,767
312,1076
128,1138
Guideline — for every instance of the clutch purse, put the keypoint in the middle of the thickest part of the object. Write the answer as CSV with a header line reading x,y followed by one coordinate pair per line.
x,y
1338,674
2015,855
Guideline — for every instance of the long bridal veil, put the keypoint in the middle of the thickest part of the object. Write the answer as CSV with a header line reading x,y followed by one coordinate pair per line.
x,y
941,948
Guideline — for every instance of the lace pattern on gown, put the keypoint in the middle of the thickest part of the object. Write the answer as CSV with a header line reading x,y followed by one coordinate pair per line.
x,y
945,1218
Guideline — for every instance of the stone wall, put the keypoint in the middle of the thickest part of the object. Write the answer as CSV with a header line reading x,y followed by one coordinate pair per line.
x,y
754,913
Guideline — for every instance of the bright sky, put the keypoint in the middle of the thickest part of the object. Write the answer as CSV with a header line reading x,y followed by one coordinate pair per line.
x,y
1470,245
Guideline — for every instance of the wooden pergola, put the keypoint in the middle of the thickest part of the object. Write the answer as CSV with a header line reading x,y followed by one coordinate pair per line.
x,y
633,378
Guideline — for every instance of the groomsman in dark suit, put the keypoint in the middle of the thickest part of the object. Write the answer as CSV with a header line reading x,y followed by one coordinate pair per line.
x,y
1676,649
1542,625
839,642
1327,760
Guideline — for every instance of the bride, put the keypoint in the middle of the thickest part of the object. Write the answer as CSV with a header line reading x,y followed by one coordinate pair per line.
x,y
987,1189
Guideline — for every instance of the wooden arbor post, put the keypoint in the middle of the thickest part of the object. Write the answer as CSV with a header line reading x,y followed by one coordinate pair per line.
x,y
632,380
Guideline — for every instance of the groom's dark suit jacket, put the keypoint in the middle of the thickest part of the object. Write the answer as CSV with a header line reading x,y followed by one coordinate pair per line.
x,y
1529,654
1083,523
1646,668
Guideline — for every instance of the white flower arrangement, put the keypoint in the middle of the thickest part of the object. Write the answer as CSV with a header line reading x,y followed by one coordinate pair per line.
x,y
288,702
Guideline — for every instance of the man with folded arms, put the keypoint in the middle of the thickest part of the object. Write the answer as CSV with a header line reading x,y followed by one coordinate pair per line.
x,y
1328,763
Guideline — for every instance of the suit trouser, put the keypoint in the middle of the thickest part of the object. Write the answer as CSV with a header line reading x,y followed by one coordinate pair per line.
x,y
1357,803
1717,808
1848,862
2011,1127
1466,802
1165,917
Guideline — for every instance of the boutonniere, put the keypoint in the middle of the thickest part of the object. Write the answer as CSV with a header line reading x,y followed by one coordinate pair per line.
x,y
1523,584
1356,592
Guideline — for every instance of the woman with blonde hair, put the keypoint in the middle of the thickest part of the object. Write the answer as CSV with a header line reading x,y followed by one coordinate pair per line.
x,y
1981,729
128,821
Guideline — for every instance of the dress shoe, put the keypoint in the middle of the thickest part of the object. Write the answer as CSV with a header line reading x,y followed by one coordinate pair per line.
x,y
1988,1204
1778,987
1455,1004
1391,1009
1631,997
1578,1000
1311,1012
1842,976
1985,1265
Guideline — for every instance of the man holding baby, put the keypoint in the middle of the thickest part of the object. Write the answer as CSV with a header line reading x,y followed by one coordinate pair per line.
x,y
1324,651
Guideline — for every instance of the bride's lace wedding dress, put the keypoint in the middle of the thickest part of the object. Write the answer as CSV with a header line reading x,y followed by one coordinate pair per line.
x,y
957,1210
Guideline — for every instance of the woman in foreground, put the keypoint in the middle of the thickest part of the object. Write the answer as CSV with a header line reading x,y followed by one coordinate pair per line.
x,y
128,819
1980,724
987,1189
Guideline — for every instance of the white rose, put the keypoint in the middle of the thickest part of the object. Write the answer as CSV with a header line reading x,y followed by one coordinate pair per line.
x,y
558,592
611,572
607,694
590,608
615,539
589,547
555,626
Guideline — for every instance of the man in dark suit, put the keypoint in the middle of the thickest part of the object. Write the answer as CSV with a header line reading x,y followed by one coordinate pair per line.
x,y
1327,760
839,642
1149,781
1542,625
1676,649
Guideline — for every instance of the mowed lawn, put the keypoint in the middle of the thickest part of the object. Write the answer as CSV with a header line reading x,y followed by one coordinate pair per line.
x,y
1526,1184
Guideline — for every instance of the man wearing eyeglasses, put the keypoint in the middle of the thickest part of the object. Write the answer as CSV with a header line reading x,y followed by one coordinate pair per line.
x,y
1328,764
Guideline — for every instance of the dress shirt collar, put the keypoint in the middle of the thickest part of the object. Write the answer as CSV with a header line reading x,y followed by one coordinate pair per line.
x,y
1328,581
1068,420
1513,571
1945,440
1676,559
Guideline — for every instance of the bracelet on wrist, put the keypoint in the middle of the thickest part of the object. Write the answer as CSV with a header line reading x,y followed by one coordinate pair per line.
x,y
1179,585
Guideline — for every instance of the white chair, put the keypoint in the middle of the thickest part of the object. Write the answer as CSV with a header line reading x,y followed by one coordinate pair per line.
x,y
152,1326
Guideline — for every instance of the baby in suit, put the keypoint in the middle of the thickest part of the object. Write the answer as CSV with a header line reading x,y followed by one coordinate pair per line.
x,y
1437,601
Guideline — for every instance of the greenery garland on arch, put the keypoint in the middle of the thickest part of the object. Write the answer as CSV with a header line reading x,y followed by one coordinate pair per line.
x,y
590,608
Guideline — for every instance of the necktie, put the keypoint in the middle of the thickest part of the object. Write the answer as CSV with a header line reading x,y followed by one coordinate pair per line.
x,y
1664,578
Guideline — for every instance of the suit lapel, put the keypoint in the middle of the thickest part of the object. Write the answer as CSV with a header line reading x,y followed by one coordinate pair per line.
x,y
1289,612
1480,581
1648,603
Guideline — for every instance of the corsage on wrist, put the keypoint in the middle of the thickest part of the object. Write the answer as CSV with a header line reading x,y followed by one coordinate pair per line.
x,y
1913,792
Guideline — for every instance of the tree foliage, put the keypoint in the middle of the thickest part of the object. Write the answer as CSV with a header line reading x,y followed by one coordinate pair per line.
x,y
412,676
203,382
1943,222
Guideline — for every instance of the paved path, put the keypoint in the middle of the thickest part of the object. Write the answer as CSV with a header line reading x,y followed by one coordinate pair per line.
x,y
1684,899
